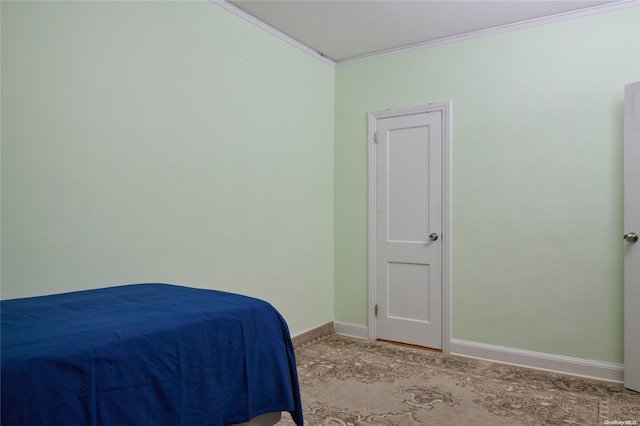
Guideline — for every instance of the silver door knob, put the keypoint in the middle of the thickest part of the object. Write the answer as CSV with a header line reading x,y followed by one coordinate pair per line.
x,y
434,237
631,237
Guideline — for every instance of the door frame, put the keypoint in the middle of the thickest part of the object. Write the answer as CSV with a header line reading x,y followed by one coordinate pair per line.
x,y
373,117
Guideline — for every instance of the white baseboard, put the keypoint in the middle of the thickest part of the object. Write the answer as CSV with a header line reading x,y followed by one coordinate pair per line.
x,y
541,361
352,330
538,360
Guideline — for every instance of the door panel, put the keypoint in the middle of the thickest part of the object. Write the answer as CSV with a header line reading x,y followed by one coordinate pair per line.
x,y
408,211
408,291
632,225
408,166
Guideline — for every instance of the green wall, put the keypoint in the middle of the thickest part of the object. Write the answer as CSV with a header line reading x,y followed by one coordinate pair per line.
x,y
164,142
537,179
174,142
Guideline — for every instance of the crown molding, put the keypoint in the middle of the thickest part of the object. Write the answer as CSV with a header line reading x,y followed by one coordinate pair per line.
x,y
622,4
268,28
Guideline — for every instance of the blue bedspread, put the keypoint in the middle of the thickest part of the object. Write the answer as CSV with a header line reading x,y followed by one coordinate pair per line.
x,y
145,354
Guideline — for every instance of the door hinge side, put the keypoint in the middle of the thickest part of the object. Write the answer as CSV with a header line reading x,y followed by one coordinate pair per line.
x,y
375,137
375,311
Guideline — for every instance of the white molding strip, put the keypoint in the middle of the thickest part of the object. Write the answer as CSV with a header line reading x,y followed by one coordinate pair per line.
x,y
609,7
495,30
540,361
268,28
352,330
600,370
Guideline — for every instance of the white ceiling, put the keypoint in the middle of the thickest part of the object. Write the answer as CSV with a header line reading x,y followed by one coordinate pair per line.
x,y
343,30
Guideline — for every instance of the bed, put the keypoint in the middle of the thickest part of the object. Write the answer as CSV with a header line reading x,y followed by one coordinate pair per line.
x,y
146,354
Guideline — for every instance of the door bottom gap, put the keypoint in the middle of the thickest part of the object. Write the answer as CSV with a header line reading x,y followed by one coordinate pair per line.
x,y
407,345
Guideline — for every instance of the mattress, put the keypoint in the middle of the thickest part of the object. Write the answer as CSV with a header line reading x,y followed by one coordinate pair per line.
x,y
145,354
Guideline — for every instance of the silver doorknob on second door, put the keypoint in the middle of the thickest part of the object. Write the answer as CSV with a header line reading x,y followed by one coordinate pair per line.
x,y
434,236
631,237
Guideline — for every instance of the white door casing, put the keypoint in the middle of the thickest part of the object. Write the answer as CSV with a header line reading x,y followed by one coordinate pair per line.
x,y
409,187
631,227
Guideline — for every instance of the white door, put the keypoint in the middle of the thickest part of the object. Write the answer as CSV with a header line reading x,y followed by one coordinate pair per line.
x,y
632,230
408,231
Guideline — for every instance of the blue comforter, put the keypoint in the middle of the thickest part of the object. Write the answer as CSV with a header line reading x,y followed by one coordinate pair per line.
x,y
145,354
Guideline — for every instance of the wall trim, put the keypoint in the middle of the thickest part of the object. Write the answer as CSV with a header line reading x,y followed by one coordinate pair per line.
x,y
312,334
352,330
271,30
540,361
603,8
609,7
591,369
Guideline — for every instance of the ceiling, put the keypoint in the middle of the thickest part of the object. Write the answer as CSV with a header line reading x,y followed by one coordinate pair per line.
x,y
343,30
